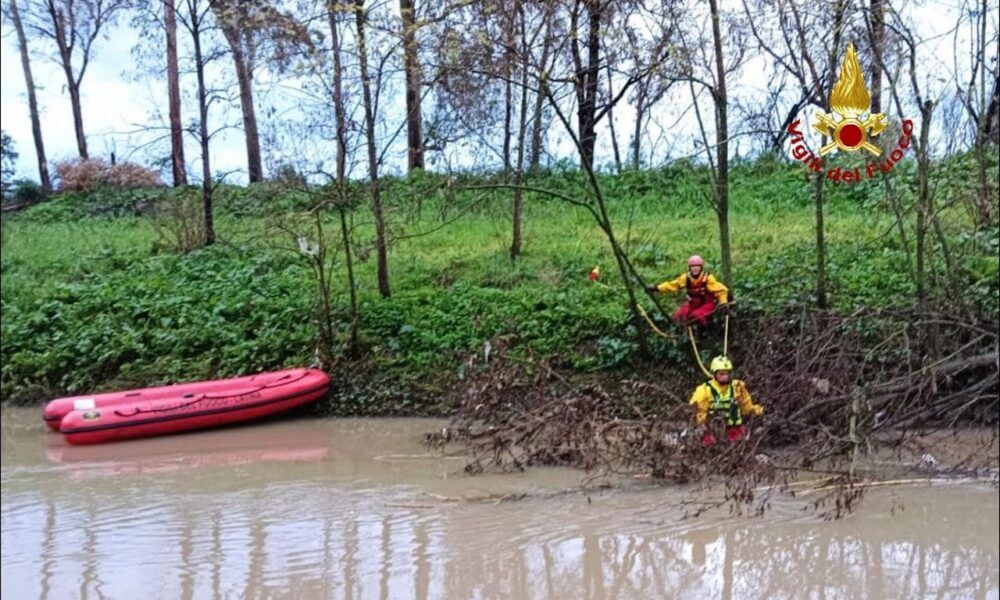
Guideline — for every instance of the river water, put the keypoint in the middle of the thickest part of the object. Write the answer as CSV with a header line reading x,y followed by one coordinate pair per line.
x,y
355,508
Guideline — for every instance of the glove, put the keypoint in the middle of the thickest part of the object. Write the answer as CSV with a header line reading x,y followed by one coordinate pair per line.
x,y
724,308
652,288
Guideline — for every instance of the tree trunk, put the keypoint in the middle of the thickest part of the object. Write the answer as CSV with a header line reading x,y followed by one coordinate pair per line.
x,y
722,147
74,97
352,286
985,204
992,118
380,241
508,92
535,159
206,169
72,83
174,96
515,245
340,113
340,116
878,41
923,199
611,126
29,83
411,62
508,109
822,297
819,198
244,79
586,77
640,109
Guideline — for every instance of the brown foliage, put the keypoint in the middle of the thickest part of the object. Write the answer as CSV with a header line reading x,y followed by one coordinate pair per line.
x,y
81,175
833,387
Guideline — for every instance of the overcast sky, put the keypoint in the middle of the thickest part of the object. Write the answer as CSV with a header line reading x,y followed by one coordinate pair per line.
x,y
118,105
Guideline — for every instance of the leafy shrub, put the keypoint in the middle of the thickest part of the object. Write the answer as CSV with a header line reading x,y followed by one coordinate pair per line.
x,y
287,175
180,223
26,191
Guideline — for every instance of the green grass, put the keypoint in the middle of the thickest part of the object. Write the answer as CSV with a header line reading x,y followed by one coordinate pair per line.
x,y
89,304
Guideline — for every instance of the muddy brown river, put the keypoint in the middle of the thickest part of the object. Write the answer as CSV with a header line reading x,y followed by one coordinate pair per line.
x,y
359,509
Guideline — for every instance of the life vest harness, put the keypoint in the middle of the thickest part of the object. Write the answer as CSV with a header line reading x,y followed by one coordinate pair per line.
x,y
697,288
725,405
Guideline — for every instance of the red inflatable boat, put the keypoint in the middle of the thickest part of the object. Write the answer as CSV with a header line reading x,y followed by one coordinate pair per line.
x,y
171,409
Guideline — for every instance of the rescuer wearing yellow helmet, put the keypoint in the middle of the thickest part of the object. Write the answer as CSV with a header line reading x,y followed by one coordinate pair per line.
x,y
725,398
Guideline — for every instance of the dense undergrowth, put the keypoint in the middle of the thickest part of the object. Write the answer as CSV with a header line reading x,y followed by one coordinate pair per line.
x,y
94,299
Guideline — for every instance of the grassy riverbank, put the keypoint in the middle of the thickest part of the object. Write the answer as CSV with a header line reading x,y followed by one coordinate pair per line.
x,y
93,298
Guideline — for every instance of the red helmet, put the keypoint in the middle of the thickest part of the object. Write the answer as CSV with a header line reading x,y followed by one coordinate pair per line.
x,y
696,261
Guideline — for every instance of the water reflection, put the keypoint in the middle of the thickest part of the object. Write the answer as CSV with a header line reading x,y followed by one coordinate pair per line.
x,y
345,523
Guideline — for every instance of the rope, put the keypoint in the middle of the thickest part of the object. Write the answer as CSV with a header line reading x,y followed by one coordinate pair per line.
x,y
694,345
725,337
697,356
652,325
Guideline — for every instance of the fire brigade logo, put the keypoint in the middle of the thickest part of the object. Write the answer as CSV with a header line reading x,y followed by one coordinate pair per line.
x,y
851,127
851,101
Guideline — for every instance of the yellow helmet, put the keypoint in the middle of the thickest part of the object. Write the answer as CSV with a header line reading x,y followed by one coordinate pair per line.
x,y
721,363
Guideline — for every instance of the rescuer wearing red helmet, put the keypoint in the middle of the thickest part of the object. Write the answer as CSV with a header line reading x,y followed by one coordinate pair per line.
x,y
704,293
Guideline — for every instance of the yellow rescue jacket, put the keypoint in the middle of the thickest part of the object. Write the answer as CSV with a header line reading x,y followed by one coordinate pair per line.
x,y
702,398
705,281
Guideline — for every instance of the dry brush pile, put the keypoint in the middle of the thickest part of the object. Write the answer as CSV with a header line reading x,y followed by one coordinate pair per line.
x,y
835,388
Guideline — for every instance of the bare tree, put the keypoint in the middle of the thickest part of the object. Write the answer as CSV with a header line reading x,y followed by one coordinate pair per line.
x,y
909,65
715,83
253,28
340,117
722,147
74,27
194,16
822,299
979,104
648,92
811,61
29,83
544,62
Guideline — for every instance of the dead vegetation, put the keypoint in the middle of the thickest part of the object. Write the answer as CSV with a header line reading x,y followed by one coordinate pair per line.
x,y
836,389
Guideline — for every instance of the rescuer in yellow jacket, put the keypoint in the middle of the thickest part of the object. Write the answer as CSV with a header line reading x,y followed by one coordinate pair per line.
x,y
725,398
704,293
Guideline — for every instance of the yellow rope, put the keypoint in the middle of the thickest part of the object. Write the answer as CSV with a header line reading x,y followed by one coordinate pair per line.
x,y
694,345
725,337
697,356
652,325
